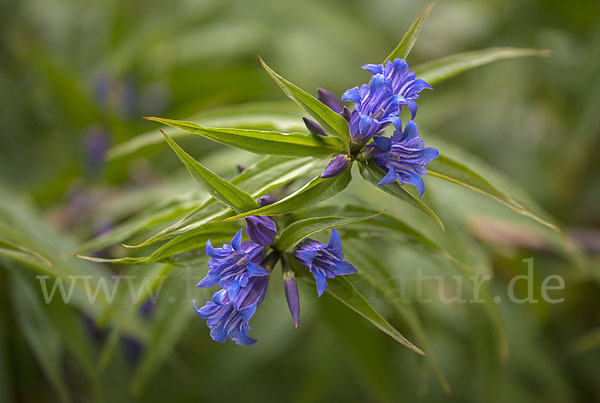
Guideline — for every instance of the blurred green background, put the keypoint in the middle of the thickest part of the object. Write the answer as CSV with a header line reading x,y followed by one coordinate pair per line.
x,y
77,76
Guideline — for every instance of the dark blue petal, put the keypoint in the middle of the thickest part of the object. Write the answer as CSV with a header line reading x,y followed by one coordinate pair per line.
x,y
383,143
352,95
209,281
237,241
329,99
321,282
261,229
344,268
373,68
257,270
390,177
335,241
306,256
412,105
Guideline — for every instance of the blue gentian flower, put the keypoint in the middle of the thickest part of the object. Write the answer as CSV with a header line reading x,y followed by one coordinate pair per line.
x,y
233,265
228,318
261,230
403,83
375,105
404,156
324,261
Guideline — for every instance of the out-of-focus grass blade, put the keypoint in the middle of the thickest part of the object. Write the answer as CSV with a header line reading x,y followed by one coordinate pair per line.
x,y
410,37
342,289
169,323
219,188
315,191
41,335
332,122
262,142
372,174
8,247
439,70
383,281
458,173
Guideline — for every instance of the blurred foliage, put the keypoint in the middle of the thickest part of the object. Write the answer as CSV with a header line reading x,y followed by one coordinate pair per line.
x,y
77,76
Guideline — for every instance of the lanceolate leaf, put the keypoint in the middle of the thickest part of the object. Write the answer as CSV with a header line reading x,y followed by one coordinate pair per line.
x,y
315,191
301,229
410,37
276,171
194,239
372,174
279,116
330,121
455,172
263,142
219,188
439,70
342,289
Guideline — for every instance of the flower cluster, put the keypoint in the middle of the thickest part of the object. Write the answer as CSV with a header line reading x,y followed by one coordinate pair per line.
x,y
242,271
377,105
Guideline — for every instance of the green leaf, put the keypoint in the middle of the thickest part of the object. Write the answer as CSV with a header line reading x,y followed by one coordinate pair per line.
x,y
263,142
169,322
455,172
410,37
185,242
342,289
39,331
315,191
271,173
384,281
372,174
219,188
332,122
279,116
439,70
9,246
301,229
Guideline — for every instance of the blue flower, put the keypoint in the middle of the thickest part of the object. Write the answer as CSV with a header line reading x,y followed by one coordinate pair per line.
x,y
403,83
261,230
324,261
233,265
375,105
228,318
404,156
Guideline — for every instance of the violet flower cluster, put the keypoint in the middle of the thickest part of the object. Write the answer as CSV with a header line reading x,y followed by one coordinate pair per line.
x,y
403,157
242,269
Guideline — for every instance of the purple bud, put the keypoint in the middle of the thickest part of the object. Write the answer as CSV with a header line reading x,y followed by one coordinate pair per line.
x,y
336,166
95,144
265,200
291,290
261,229
346,113
313,127
330,99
